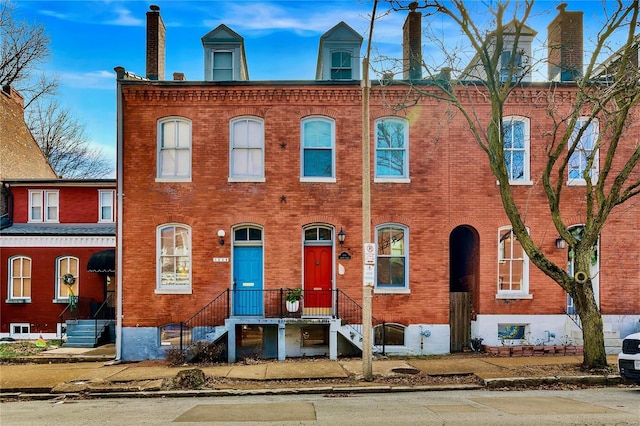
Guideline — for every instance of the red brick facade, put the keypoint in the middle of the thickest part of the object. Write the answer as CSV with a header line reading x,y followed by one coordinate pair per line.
x,y
451,185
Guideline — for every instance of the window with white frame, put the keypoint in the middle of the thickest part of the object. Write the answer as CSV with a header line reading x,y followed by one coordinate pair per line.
x,y
222,65
392,146
318,148
106,200
507,66
392,257
341,67
173,258
19,279
516,146
43,206
20,330
247,150
174,149
583,161
67,277
513,264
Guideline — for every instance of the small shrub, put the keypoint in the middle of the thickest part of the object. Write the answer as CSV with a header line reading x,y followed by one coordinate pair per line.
x,y
207,352
174,356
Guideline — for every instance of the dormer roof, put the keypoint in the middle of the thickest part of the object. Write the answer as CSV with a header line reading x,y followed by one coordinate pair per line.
x,y
224,39
339,38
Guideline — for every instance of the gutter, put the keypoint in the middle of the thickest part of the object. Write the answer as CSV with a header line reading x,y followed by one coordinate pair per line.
x,y
120,199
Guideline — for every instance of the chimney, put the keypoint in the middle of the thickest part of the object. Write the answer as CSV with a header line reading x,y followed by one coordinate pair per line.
x,y
412,45
565,46
155,44
179,76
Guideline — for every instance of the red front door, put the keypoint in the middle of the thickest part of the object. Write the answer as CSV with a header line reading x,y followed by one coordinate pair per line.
x,y
317,280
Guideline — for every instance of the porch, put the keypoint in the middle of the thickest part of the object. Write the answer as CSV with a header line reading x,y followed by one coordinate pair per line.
x,y
275,322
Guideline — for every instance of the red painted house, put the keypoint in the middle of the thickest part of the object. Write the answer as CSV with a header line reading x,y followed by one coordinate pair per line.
x,y
58,257
237,190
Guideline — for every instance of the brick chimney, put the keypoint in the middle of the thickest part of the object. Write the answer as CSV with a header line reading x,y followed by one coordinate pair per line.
x,y
565,45
155,44
412,45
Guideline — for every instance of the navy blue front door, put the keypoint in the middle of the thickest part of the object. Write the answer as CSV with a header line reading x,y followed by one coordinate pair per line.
x,y
247,282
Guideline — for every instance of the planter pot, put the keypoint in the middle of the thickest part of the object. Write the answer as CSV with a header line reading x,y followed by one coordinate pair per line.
x,y
293,306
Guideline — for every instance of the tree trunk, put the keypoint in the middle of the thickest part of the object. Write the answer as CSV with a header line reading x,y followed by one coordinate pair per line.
x,y
594,355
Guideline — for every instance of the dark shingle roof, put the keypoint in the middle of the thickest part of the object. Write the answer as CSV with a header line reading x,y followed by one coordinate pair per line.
x,y
108,229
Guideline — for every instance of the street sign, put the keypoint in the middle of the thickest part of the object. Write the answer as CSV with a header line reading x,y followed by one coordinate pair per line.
x,y
369,275
369,254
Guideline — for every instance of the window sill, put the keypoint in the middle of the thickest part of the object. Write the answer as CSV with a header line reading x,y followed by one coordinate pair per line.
x,y
520,182
60,300
173,180
383,290
246,179
318,179
173,291
391,180
17,301
514,296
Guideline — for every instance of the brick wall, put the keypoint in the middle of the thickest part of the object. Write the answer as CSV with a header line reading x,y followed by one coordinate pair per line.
x,y
451,185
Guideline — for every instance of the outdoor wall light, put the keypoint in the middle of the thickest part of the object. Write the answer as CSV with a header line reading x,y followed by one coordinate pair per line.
x,y
341,237
221,235
560,243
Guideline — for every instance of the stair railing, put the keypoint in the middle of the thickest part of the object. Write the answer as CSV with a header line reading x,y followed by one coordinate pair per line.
x,y
213,314
350,313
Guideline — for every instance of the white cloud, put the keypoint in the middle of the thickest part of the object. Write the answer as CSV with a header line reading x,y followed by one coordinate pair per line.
x,y
125,18
102,80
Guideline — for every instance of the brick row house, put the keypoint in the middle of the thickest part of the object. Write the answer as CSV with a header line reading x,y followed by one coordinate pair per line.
x,y
234,191
57,244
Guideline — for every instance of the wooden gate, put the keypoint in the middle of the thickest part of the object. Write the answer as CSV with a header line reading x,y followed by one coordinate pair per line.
x,y
459,320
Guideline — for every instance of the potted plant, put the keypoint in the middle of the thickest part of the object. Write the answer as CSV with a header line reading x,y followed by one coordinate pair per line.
x,y
292,298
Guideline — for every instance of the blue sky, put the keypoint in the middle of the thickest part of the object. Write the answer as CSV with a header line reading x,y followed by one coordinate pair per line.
x,y
90,38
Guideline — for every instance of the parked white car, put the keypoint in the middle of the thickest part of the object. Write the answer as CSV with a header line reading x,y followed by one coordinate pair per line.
x,y
629,358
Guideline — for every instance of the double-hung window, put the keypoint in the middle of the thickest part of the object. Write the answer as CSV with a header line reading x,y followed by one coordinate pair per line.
x,y
392,150
318,149
583,161
392,264
222,65
174,149
247,150
341,67
507,66
19,279
43,206
516,146
513,266
106,200
67,285
173,259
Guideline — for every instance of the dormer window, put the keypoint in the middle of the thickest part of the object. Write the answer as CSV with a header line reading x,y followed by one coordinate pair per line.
x,y
341,68
338,53
222,65
224,58
507,65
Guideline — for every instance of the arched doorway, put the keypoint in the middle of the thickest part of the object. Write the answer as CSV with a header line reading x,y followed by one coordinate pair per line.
x,y
464,276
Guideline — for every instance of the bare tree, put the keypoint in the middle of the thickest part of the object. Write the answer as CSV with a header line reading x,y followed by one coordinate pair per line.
x,y
63,140
606,96
24,49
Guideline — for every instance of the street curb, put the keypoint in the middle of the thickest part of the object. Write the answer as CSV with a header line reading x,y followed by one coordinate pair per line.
x,y
489,384
551,380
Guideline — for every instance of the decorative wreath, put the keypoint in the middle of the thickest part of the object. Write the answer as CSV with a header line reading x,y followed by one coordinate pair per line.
x,y
68,279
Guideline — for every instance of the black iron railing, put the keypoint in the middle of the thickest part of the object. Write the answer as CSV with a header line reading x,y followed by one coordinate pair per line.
x,y
205,324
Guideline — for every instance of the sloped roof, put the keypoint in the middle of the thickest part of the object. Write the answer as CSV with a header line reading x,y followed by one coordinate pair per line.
x,y
20,156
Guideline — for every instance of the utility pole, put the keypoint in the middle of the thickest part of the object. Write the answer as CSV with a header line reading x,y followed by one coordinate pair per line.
x,y
367,273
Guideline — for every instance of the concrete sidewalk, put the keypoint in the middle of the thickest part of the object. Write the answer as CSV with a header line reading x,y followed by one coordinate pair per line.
x,y
92,371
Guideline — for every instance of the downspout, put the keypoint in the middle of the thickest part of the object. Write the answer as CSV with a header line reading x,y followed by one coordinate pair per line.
x,y
120,198
8,221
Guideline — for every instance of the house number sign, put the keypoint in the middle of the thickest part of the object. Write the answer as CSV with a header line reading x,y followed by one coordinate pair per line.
x,y
220,259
